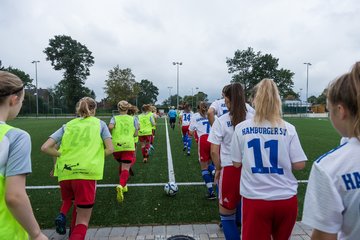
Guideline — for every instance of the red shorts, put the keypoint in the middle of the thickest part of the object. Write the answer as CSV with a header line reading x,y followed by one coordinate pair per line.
x,y
229,187
185,130
261,218
204,149
125,156
81,191
145,138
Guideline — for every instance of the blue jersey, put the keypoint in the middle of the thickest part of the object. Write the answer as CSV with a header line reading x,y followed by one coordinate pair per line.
x,y
172,113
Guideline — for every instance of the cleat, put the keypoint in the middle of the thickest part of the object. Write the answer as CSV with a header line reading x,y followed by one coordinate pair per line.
x,y
125,189
60,223
184,148
188,153
211,196
119,194
145,160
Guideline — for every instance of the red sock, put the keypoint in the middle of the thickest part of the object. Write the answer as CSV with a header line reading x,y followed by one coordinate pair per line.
x,y
124,177
65,207
79,232
143,151
73,219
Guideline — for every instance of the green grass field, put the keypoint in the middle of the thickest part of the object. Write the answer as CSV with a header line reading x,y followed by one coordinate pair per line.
x,y
149,204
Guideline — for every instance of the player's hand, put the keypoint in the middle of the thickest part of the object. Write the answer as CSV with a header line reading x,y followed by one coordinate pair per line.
x,y
217,176
41,236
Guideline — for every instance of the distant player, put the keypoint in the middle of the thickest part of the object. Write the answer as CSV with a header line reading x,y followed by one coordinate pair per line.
x,y
123,128
155,115
172,117
17,217
132,111
200,124
228,176
146,119
332,199
184,119
218,107
80,161
268,149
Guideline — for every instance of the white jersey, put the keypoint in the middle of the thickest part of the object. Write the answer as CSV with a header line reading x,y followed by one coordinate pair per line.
x,y
266,153
332,197
186,118
220,107
221,134
199,124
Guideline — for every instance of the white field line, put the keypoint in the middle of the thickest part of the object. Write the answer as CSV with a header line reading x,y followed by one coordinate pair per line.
x,y
136,185
169,156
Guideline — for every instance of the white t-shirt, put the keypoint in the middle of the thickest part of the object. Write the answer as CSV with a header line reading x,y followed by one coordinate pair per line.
x,y
220,134
220,107
266,153
332,199
199,124
186,118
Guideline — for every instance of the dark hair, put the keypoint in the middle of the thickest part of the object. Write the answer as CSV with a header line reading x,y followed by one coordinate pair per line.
x,y
346,90
202,108
235,93
187,107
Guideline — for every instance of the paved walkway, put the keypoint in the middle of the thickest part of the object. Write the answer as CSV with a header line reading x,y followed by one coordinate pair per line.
x,y
197,231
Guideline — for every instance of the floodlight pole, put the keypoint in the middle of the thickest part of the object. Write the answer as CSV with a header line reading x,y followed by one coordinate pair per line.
x,y
177,82
307,80
36,89
197,94
170,95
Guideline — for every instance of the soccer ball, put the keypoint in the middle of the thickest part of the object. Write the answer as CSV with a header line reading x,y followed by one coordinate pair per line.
x,y
171,189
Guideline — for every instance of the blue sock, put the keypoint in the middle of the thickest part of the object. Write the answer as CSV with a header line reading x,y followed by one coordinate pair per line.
x,y
229,227
238,213
207,179
189,140
185,139
211,169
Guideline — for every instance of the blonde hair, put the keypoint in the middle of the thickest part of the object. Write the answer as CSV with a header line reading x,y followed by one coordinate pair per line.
x,y
9,84
202,108
86,107
346,90
123,106
132,110
267,102
146,107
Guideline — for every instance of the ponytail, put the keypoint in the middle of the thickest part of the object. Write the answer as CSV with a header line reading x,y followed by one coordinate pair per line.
x,y
235,93
86,107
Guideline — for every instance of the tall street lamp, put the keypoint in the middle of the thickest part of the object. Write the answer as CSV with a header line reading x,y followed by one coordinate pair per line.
x,y
177,82
307,80
197,94
170,95
36,89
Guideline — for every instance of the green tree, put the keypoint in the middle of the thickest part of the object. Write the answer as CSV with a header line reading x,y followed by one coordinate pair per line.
x,y
75,59
171,101
249,68
120,85
148,92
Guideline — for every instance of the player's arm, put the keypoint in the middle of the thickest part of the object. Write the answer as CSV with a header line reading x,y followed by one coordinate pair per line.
x,y
109,147
50,148
111,124
19,205
298,165
211,115
319,235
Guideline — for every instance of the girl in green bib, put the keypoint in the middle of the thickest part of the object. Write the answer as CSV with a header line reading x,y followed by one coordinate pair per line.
x,y
123,128
80,161
17,220
147,121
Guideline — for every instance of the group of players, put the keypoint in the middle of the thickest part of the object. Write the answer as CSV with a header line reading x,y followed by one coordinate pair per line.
x,y
253,152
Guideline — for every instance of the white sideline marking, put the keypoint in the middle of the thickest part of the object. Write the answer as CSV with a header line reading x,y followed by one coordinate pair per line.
x,y
169,156
136,185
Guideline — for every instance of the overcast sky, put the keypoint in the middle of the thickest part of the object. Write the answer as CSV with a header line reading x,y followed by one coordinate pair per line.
x,y
148,35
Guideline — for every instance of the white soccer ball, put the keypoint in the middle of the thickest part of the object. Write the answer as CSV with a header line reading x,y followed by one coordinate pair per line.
x,y
171,188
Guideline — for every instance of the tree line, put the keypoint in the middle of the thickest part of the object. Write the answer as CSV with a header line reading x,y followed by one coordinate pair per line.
x,y
75,59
